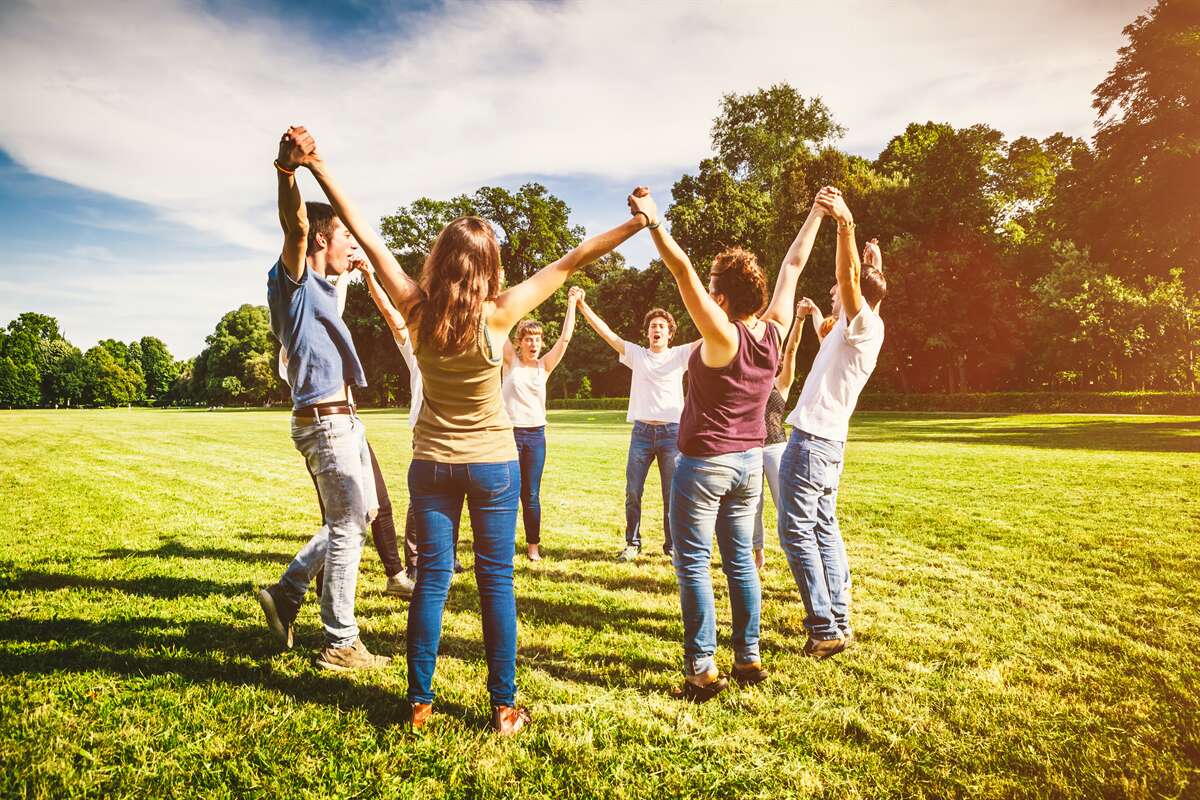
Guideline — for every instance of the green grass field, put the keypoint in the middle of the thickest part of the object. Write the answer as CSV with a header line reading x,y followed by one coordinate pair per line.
x,y
1026,600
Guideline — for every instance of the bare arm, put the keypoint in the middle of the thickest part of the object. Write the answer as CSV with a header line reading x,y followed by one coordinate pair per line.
x,y
556,353
402,289
848,265
601,328
817,319
780,308
719,334
516,302
510,353
292,215
391,315
787,365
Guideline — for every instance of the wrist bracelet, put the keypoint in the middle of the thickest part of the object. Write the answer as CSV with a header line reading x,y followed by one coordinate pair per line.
x,y
283,169
846,226
652,225
644,214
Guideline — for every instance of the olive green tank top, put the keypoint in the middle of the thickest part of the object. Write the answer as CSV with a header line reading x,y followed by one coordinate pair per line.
x,y
462,419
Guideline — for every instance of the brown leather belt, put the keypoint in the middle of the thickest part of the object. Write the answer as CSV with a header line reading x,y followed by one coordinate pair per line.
x,y
318,411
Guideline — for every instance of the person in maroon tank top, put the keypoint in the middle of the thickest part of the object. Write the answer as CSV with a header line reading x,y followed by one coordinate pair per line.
x,y
718,477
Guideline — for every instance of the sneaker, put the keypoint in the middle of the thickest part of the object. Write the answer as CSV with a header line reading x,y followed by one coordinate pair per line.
x,y
345,659
630,553
280,612
507,720
749,674
820,649
458,567
400,585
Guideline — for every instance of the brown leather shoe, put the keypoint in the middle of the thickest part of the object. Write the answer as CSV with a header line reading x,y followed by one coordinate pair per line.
x,y
419,714
749,674
507,720
821,649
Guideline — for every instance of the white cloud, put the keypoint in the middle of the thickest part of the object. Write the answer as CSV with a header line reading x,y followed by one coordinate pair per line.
x,y
163,104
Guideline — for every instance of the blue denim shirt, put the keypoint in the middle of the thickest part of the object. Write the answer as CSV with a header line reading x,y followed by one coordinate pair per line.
x,y
305,320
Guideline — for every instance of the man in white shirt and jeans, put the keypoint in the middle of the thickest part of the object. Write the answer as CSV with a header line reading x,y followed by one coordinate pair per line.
x,y
655,404
811,466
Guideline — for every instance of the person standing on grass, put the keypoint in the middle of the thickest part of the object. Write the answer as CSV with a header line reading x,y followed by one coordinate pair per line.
x,y
776,439
811,467
655,403
322,367
464,449
399,329
718,479
383,527
524,393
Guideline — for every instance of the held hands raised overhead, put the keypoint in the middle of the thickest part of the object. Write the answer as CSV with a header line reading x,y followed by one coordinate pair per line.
x,y
574,296
297,148
830,198
640,202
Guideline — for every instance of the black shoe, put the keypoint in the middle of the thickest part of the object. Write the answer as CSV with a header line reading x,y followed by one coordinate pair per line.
x,y
280,612
667,549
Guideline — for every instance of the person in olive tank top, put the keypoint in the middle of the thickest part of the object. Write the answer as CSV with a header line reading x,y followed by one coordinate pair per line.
x,y
718,477
463,448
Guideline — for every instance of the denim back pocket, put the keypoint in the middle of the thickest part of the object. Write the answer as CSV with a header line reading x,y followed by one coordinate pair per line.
x,y
494,481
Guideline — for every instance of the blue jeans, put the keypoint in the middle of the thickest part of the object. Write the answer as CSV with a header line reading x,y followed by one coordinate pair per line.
x,y
647,443
718,494
335,449
436,493
531,455
808,532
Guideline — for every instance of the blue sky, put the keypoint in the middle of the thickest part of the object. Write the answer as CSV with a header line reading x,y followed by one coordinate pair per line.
x,y
136,193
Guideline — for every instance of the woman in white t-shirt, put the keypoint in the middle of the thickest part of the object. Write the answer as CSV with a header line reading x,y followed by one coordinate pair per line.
x,y
524,392
655,404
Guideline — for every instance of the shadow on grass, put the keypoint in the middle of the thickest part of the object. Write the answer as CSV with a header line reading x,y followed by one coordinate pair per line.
x,y
1174,436
176,550
77,645
635,579
162,586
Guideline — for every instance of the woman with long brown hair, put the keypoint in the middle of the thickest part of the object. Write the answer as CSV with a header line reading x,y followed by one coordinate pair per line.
x,y
460,315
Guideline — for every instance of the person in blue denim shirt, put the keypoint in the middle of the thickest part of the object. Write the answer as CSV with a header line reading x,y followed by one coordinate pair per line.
x,y
655,403
322,367
811,468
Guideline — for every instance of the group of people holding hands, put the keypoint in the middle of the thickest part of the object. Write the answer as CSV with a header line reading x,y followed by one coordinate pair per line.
x,y
479,417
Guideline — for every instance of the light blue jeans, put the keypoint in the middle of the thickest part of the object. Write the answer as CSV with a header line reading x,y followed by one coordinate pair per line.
x,y
772,455
340,461
809,533
648,443
718,494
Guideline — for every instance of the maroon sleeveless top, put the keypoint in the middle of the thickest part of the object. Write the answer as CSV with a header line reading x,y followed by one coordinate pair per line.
x,y
725,409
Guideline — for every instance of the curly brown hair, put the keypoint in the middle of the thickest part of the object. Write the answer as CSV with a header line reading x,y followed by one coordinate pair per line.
x,y
737,275
657,313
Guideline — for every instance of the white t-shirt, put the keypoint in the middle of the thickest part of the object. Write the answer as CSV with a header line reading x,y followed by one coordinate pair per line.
x,y
656,391
524,393
414,379
839,373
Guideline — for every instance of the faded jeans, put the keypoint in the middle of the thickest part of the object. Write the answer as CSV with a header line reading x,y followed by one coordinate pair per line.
x,y
436,493
772,454
336,451
809,534
716,495
647,443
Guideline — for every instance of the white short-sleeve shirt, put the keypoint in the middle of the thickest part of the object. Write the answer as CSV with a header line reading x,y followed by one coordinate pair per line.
x,y
839,372
656,391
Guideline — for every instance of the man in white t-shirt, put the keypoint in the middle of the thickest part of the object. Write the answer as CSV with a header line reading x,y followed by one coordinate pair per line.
x,y
811,466
655,404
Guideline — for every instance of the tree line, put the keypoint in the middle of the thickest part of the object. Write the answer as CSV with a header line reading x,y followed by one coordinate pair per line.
x,y
1013,264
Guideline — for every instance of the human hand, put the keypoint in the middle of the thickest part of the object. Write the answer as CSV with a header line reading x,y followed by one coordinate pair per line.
x,y
575,295
640,202
806,307
362,265
297,148
830,198
871,255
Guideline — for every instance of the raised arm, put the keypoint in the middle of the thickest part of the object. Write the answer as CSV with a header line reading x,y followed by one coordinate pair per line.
x,y
780,308
519,300
787,365
818,319
555,354
848,265
292,215
403,289
391,315
601,327
719,334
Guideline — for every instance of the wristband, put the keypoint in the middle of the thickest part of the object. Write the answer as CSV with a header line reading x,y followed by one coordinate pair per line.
x,y
283,169
652,226
846,226
644,214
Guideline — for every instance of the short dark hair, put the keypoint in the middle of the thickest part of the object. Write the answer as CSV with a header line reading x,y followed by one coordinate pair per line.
x,y
873,285
740,279
322,220
656,313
